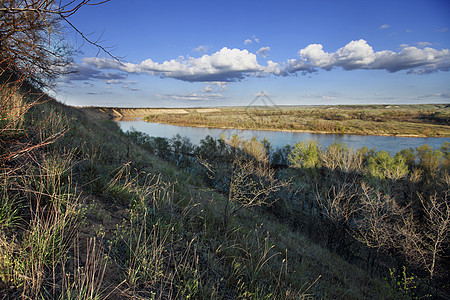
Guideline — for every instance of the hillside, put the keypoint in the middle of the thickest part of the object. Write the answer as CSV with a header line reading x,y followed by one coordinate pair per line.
x,y
89,212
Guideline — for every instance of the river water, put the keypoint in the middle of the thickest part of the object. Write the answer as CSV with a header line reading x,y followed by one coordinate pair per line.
x,y
391,144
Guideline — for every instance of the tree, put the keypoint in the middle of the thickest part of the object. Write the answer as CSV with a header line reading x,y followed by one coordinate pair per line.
x,y
305,155
423,243
31,37
32,54
249,179
383,166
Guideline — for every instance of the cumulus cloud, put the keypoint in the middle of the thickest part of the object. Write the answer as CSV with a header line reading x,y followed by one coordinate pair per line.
x,y
247,42
263,51
229,65
225,65
385,26
360,55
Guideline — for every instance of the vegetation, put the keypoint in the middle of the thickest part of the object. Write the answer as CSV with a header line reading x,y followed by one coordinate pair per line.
x,y
90,212
371,208
400,120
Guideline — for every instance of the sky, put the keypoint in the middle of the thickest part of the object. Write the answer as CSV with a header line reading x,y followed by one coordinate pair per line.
x,y
227,53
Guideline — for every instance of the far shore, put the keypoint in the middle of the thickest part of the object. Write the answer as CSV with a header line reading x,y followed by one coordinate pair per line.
x,y
426,120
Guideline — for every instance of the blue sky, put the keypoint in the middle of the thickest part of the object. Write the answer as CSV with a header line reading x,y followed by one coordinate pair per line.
x,y
208,53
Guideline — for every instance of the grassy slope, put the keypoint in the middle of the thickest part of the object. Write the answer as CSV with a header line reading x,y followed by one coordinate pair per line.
x,y
160,226
405,120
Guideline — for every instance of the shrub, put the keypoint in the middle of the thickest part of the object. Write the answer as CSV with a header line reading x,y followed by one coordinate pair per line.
x,y
305,155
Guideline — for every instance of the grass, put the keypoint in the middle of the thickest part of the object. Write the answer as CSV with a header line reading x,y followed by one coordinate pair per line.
x,y
86,213
399,120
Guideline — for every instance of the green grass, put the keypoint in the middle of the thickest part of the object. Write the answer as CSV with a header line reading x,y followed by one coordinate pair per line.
x,y
401,120
88,214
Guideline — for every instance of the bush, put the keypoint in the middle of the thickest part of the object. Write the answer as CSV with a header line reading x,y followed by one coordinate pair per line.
x,y
305,155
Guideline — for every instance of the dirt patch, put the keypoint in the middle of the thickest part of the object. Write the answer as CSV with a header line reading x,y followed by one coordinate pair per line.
x,y
101,113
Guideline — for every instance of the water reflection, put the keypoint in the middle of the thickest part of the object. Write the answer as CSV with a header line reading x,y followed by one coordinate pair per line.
x,y
391,144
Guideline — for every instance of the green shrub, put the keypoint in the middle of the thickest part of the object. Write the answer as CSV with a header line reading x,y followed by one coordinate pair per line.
x,y
305,155
383,166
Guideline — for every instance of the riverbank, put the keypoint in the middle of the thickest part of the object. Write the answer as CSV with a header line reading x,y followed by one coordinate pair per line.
x,y
425,120
400,120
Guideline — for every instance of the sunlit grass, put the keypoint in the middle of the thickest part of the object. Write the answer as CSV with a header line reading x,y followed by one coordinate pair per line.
x,y
408,120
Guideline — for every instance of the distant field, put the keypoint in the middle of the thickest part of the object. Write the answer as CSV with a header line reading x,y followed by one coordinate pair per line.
x,y
431,120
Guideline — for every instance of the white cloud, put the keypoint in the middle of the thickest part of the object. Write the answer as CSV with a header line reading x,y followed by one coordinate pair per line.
x,y
113,81
221,85
250,41
404,45
415,60
225,65
435,95
191,97
423,44
352,56
229,65
385,26
127,87
208,89
263,51
201,49
316,57
360,55
445,29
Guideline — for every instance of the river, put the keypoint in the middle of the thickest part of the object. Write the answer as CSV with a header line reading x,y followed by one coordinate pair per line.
x,y
391,144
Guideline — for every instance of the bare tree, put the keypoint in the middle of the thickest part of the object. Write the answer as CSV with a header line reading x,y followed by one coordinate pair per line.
x,y
376,218
338,204
31,37
251,180
382,224
424,244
